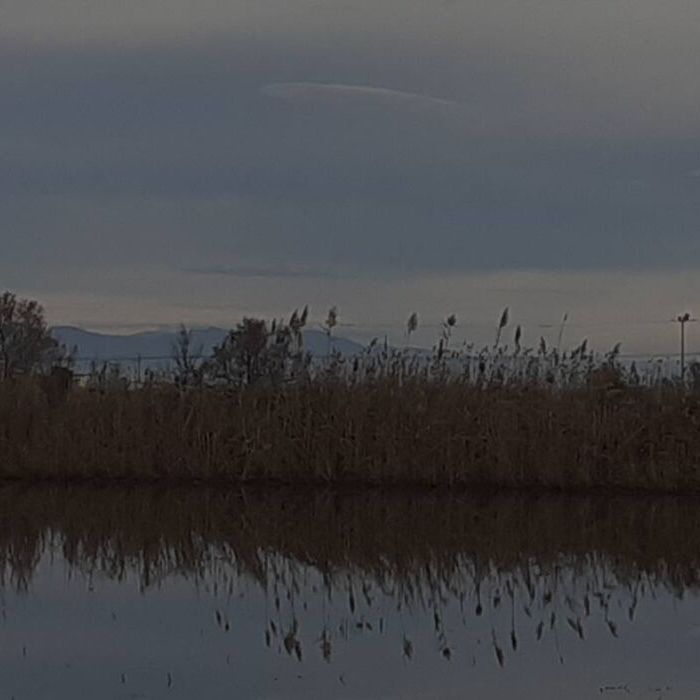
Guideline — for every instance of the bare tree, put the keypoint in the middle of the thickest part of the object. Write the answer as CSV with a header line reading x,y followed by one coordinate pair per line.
x,y
331,323
411,326
26,344
187,358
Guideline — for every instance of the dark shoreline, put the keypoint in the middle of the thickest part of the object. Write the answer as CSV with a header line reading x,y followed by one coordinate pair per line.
x,y
342,488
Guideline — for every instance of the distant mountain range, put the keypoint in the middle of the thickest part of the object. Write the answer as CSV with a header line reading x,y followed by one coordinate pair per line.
x,y
155,347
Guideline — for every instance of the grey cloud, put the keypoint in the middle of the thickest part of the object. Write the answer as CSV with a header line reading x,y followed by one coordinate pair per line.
x,y
492,142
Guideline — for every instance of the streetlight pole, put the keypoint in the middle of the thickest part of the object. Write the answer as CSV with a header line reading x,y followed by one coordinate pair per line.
x,y
683,319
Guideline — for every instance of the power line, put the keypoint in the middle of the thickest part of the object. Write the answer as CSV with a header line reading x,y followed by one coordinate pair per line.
x,y
493,324
146,358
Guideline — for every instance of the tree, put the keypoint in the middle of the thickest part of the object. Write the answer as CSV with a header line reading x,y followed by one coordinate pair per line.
x,y
187,358
26,344
240,357
331,323
254,351
411,326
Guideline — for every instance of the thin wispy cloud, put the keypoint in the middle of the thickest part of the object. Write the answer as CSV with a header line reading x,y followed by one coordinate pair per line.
x,y
342,92
269,272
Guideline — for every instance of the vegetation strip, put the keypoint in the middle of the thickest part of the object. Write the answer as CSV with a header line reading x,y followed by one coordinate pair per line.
x,y
259,410
379,432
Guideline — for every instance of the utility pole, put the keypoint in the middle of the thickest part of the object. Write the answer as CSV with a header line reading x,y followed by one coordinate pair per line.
x,y
683,319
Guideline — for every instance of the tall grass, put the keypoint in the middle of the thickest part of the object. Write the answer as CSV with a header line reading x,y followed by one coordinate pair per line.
x,y
360,425
260,409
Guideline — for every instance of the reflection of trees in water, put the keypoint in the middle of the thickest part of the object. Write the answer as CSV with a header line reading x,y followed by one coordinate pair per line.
x,y
366,563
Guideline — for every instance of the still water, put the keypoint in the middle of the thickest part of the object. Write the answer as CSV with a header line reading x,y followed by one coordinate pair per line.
x,y
146,593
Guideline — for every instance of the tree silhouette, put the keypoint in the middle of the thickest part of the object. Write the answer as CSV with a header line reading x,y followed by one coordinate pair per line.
x,y
25,341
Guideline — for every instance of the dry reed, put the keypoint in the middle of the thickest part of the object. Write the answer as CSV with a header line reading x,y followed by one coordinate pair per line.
x,y
416,430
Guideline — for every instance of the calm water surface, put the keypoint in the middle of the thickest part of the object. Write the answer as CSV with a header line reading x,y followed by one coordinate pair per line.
x,y
142,593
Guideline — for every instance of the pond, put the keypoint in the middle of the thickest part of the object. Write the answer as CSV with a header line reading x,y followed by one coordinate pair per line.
x,y
142,592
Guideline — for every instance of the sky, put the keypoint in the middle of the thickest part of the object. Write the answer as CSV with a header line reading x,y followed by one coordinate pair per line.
x,y
165,161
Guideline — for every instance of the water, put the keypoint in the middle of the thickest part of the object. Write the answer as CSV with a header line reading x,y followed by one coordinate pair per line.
x,y
143,593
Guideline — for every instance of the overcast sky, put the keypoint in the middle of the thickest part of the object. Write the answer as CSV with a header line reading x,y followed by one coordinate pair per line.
x,y
163,160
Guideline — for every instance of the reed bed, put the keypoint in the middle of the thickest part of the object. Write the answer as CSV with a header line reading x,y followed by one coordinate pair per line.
x,y
408,430
260,408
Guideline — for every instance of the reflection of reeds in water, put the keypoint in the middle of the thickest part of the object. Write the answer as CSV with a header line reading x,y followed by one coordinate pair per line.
x,y
535,567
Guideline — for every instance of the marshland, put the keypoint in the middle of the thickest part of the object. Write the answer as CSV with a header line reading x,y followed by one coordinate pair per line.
x,y
398,523
349,349
260,409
